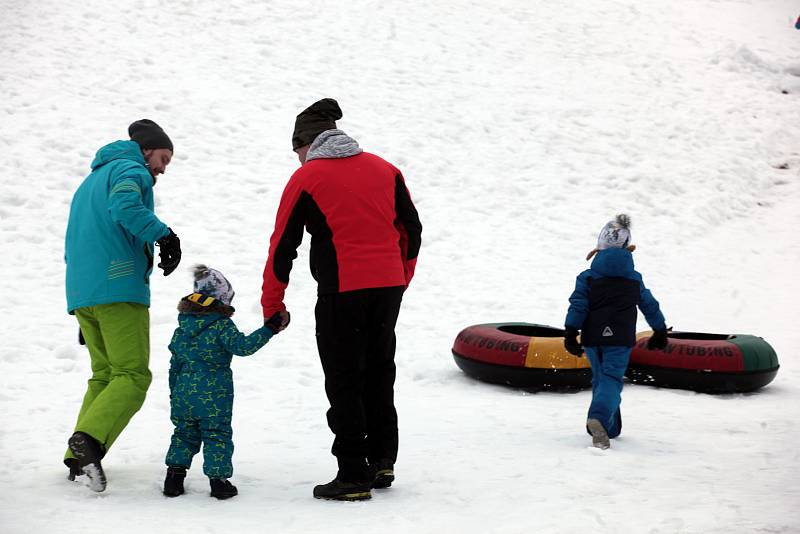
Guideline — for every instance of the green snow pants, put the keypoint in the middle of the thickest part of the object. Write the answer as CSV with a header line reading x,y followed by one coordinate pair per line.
x,y
118,338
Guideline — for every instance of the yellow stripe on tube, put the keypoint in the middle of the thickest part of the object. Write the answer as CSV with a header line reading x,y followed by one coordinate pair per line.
x,y
549,353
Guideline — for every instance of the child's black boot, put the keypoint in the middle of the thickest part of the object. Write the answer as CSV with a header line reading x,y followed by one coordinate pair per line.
x,y
173,484
221,488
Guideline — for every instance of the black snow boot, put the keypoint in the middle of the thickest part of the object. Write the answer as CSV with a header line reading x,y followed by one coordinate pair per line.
x,y
74,468
222,488
173,484
338,490
89,452
382,473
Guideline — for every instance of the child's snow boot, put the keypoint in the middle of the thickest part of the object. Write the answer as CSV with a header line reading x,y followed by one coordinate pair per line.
x,y
89,452
173,484
382,473
338,490
599,434
221,488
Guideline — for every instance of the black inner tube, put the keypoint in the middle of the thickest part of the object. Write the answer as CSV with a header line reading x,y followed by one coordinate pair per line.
x,y
531,330
702,336
535,330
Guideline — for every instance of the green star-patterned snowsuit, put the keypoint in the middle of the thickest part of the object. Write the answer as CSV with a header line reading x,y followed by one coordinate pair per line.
x,y
201,385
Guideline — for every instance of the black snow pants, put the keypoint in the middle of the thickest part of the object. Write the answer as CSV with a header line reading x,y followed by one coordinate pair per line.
x,y
356,342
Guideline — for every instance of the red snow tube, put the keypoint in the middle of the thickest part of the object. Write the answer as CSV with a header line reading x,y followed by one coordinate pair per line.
x,y
522,355
708,363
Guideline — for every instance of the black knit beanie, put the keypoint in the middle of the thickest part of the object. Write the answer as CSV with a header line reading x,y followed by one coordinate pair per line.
x,y
315,119
149,135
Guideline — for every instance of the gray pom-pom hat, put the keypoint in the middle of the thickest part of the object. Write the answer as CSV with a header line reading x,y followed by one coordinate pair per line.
x,y
615,234
212,283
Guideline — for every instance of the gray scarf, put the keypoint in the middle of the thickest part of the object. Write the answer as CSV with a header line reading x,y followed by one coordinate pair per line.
x,y
332,144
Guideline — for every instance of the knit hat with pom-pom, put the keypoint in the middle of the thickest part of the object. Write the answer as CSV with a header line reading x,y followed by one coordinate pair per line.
x,y
212,283
615,234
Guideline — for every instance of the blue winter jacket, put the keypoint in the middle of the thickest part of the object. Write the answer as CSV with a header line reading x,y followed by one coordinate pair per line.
x,y
603,304
111,230
202,348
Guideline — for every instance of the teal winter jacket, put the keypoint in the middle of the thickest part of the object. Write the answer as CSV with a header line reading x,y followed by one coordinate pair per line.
x,y
111,230
202,347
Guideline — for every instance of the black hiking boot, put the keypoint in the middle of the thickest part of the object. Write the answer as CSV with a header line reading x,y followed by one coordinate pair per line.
x,y
338,490
221,488
382,473
173,484
89,452
74,468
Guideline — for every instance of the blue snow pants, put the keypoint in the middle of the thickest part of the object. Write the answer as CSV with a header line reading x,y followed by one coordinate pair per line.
x,y
201,410
608,368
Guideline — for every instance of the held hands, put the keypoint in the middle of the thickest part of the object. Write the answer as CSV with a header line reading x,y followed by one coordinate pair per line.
x,y
170,253
278,321
658,341
571,343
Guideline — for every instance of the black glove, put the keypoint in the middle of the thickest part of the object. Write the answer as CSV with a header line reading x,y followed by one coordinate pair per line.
x,y
571,343
276,321
658,341
170,253
81,341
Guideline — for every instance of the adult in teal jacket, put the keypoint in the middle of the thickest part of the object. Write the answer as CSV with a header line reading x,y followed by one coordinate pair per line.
x,y
109,257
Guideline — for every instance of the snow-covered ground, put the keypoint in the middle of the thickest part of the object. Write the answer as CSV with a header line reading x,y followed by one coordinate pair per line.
x,y
521,126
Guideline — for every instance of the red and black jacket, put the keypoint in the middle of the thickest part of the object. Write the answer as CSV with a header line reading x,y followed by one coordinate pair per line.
x,y
365,231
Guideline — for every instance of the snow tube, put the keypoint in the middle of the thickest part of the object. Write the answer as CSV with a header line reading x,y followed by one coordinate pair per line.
x,y
708,363
522,355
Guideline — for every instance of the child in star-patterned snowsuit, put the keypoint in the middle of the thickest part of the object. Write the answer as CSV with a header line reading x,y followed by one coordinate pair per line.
x,y
201,382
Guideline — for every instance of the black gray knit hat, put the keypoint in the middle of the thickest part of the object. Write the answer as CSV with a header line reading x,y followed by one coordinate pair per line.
x,y
149,135
315,119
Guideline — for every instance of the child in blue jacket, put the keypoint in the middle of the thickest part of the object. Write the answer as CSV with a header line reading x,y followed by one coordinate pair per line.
x,y
603,308
201,382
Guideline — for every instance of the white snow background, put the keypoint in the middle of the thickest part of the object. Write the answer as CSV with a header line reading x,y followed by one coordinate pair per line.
x,y
521,128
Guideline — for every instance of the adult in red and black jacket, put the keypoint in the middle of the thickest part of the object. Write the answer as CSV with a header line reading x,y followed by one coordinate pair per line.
x,y
365,236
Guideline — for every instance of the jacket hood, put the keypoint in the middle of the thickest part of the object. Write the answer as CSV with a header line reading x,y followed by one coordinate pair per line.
x,y
194,319
613,262
217,307
119,150
333,144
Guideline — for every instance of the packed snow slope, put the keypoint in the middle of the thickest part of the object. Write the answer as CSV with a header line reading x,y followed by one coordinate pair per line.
x,y
521,126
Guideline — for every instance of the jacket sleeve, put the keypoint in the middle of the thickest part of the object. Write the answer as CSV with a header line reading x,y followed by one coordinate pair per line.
x,y
173,373
174,363
578,303
240,344
286,237
650,308
409,226
127,209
